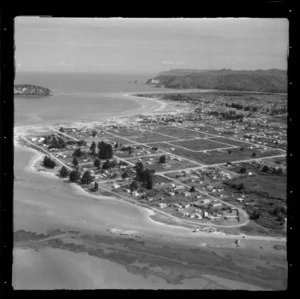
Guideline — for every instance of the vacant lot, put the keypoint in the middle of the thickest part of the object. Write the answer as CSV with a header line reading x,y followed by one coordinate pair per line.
x,y
179,132
231,141
148,136
200,144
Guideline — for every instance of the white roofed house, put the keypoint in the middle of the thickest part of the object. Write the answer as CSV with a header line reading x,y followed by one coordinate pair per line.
x,y
162,205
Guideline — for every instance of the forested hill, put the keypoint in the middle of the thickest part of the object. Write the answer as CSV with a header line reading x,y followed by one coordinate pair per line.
x,y
31,90
272,80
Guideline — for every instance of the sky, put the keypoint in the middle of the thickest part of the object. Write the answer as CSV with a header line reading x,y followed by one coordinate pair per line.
x,y
125,45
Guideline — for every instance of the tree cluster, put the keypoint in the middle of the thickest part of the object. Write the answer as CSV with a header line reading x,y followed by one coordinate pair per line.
x,y
109,164
81,142
144,175
48,162
105,150
54,142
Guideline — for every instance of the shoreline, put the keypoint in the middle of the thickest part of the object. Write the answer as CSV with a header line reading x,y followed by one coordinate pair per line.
x,y
146,211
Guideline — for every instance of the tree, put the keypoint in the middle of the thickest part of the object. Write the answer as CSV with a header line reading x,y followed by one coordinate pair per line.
x,y
241,186
77,152
243,169
254,154
86,178
94,133
116,145
255,214
93,148
96,186
192,189
61,129
124,175
75,162
241,149
48,162
97,163
81,142
133,185
229,151
64,172
149,182
265,168
105,150
74,176
162,159
106,164
139,167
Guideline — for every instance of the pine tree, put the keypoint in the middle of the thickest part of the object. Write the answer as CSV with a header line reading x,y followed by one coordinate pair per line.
x,y
64,172
87,178
74,176
133,185
93,148
48,162
97,163
75,162
162,159
96,186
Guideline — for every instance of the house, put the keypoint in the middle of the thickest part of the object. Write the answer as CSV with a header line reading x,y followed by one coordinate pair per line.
x,y
115,186
186,193
198,216
162,205
205,214
240,199
185,205
171,193
176,205
135,193
205,201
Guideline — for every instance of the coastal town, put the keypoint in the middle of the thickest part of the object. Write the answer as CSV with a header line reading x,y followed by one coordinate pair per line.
x,y
219,162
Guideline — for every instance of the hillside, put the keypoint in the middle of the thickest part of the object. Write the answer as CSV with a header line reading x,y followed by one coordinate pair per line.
x,y
31,90
272,80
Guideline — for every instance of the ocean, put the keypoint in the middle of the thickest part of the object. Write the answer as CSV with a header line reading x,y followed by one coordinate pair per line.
x,y
77,97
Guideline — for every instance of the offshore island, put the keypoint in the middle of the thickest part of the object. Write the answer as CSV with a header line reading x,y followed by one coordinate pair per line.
x,y
211,162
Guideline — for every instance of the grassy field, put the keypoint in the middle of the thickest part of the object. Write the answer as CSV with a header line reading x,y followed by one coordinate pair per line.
x,y
179,132
199,144
146,137
231,141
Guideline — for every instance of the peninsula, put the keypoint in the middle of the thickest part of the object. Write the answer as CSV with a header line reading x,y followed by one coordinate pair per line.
x,y
31,90
272,80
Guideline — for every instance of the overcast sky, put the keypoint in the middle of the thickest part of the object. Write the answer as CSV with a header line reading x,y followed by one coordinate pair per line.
x,y
149,45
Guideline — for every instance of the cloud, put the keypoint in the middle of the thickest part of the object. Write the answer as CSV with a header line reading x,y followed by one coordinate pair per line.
x,y
166,62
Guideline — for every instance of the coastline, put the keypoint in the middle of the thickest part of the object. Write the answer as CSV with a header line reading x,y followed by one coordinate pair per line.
x,y
148,229
148,211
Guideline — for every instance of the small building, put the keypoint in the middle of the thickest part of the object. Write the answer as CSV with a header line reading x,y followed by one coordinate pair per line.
x,y
240,199
162,205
